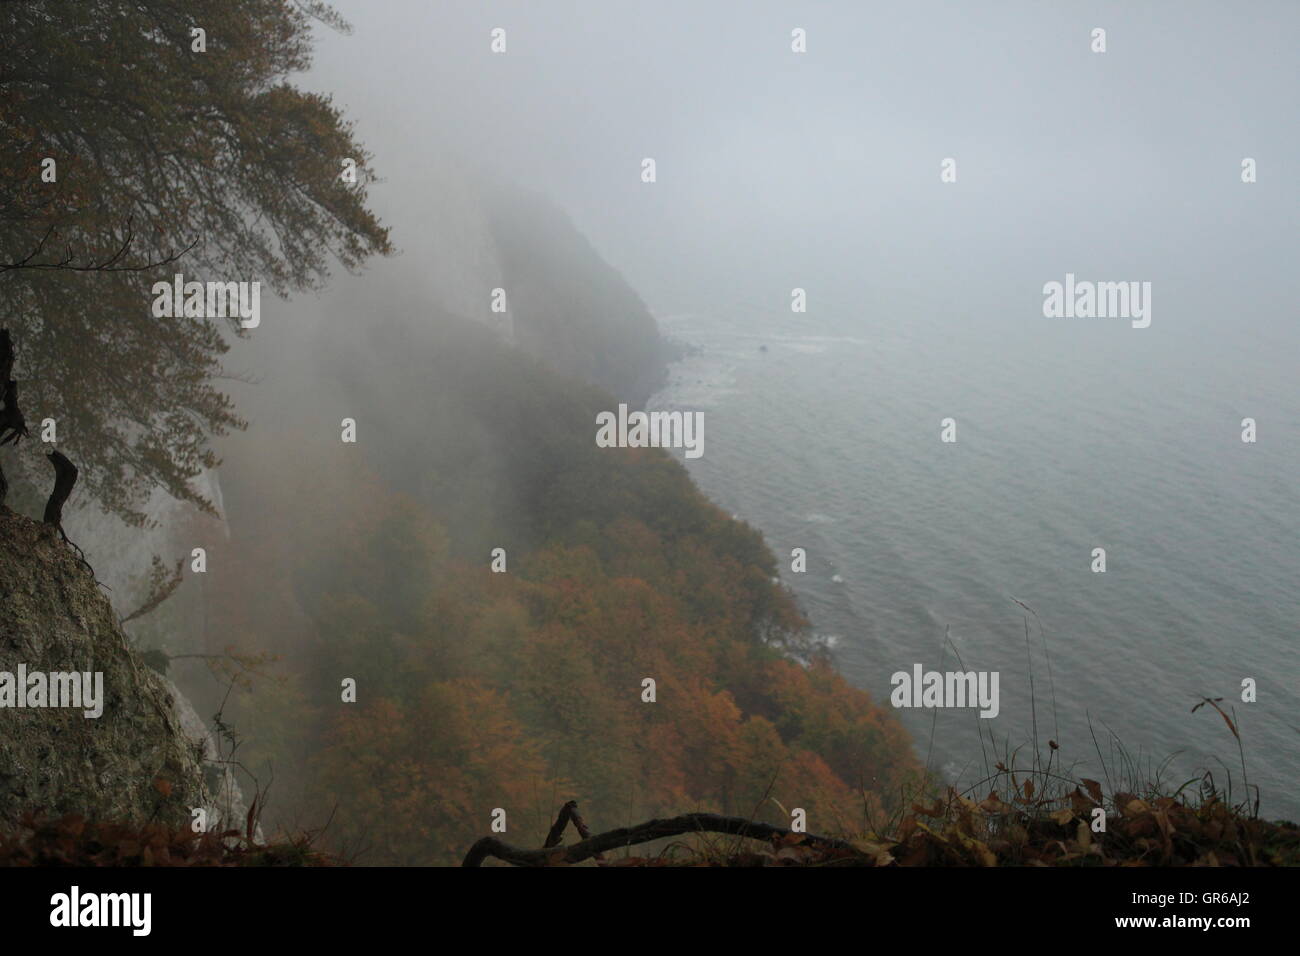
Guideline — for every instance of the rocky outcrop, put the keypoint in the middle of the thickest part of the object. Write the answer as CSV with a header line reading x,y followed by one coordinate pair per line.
x,y
132,763
563,303
567,305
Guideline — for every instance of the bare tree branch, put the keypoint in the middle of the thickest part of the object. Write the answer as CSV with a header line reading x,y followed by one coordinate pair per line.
x,y
161,586
630,836
108,265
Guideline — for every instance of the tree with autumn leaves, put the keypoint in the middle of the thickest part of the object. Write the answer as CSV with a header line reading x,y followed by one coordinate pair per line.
x,y
130,151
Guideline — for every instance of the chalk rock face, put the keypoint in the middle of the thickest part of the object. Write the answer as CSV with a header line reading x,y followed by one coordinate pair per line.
x,y
121,553
134,762
121,557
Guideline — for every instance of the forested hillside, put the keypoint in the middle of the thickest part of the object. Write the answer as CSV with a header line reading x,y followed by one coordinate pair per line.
x,y
518,690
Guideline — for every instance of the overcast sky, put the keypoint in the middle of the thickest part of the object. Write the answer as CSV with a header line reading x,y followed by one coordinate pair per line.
x,y
831,158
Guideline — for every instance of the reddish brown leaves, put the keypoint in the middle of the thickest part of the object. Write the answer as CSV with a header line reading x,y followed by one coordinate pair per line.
x,y
959,832
71,841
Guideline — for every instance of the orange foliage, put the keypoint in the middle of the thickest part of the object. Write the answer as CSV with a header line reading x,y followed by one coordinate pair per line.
x,y
479,691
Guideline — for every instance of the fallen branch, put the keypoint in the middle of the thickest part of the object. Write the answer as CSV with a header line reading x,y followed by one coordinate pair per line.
x,y
630,836
569,814
580,825
557,828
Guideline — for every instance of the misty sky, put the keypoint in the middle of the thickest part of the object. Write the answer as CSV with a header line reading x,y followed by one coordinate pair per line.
x,y
822,169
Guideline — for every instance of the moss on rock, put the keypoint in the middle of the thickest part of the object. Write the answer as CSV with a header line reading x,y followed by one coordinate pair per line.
x,y
133,763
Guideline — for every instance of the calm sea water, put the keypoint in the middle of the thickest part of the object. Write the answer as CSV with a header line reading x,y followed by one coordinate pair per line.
x,y
825,435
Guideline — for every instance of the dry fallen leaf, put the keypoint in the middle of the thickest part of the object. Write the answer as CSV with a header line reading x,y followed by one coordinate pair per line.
x,y
879,852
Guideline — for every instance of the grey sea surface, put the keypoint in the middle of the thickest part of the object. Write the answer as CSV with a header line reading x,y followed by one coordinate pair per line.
x,y
825,435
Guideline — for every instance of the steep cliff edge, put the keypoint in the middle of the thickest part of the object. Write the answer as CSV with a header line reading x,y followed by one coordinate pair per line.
x,y
133,763
567,305
471,232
